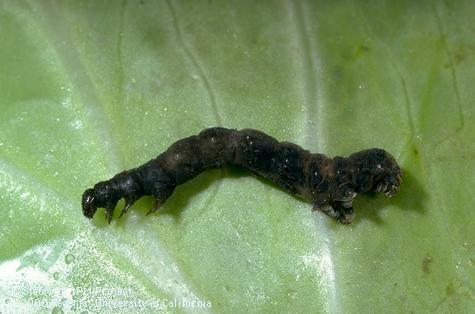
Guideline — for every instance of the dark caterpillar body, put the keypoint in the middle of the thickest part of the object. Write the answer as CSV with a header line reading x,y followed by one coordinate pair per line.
x,y
329,183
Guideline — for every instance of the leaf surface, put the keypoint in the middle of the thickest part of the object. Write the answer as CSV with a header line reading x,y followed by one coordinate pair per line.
x,y
89,89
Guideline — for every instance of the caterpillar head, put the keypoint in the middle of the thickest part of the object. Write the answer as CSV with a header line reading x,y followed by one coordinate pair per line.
x,y
89,206
377,171
102,195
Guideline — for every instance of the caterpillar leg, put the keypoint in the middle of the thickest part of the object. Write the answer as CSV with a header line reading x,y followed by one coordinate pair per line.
x,y
109,213
341,211
161,191
331,212
128,203
155,207
344,212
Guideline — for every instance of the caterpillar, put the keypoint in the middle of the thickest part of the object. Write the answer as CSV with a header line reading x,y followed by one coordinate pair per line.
x,y
330,184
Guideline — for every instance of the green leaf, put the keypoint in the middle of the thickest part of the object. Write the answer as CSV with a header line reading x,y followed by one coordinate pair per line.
x,y
89,88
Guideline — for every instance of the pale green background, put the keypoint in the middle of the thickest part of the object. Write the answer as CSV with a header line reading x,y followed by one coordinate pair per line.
x,y
89,88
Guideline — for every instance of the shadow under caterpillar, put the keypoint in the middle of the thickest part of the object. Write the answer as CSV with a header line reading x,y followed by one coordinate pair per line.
x,y
330,184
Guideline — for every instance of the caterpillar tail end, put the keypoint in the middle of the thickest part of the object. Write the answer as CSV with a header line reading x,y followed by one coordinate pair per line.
x,y
88,203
